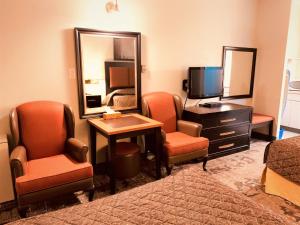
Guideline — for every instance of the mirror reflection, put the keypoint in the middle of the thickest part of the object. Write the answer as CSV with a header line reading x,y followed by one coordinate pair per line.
x,y
239,68
108,72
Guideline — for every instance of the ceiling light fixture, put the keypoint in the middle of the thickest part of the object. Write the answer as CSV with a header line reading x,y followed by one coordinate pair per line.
x,y
112,6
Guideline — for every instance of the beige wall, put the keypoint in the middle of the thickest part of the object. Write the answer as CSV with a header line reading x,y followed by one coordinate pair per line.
x,y
272,30
37,43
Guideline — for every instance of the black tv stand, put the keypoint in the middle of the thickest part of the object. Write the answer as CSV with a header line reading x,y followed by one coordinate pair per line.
x,y
227,127
211,104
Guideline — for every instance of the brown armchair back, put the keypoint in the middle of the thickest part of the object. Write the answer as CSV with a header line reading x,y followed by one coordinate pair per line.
x,y
181,139
43,135
42,127
164,107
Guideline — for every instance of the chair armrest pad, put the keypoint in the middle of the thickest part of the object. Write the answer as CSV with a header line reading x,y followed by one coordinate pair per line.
x,y
77,149
18,159
189,128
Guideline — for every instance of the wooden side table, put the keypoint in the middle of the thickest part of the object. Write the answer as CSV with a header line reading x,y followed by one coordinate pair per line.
x,y
127,126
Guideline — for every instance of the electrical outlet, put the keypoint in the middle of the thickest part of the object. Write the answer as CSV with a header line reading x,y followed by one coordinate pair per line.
x,y
144,68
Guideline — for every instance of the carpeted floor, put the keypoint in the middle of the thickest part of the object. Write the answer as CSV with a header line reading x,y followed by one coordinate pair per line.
x,y
240,171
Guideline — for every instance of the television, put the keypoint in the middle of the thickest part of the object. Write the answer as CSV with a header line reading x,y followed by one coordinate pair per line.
x,y
205,82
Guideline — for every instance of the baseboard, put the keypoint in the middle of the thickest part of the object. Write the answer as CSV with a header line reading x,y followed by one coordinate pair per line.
x,y
261,136
295,130
7,205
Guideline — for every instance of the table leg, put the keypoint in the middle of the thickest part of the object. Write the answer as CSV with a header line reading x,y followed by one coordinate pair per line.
x,y
93,145
158,150
111,151
270,131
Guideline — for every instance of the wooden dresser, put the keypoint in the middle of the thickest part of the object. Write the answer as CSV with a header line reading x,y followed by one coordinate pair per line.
x,y
227,127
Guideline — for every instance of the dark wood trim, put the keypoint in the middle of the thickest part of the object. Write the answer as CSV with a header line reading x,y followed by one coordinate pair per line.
x,y
158,149
77,33
79,72
8,205
242,49
93,137
295,130
111,145
258,135
107,65
262,136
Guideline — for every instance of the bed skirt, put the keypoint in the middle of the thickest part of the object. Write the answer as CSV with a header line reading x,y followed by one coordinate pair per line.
x,y
280,186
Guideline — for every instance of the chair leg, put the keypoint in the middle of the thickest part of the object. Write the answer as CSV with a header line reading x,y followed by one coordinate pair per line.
x,y
204,163
169,169
91,194
22,211
270,131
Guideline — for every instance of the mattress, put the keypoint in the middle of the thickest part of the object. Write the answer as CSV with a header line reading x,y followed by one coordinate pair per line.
x,y
189,196
281,176
283,157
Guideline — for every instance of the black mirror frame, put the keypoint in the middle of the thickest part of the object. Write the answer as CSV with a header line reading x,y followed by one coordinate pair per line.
x,y
77,32
242,49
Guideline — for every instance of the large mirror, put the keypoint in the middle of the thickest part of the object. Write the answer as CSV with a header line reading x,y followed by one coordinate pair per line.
x,y
239,70
108,71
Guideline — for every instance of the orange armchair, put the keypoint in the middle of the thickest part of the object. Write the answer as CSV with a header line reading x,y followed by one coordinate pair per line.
x,y
181,139
47,160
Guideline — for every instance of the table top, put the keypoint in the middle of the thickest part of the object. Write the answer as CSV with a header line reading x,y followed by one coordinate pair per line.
x,y
126,123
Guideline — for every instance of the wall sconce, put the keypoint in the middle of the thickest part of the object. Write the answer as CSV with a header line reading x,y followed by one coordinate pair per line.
x,y
112,6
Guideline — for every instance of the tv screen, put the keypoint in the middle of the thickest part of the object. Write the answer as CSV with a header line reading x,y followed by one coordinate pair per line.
x,y
205,82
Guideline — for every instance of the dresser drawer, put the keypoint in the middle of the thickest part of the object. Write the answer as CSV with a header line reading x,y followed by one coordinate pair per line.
x,y
226,118
226,131
228,144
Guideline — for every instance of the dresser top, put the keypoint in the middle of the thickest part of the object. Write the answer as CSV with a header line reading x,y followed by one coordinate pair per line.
x,y
223,108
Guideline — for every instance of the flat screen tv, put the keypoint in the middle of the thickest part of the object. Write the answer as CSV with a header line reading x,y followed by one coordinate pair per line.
x,y
205,82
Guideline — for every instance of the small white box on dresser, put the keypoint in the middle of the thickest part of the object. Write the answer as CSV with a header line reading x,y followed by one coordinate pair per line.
x,y
6,186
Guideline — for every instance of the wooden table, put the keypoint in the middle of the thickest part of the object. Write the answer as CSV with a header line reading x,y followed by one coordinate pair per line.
x,y
127,126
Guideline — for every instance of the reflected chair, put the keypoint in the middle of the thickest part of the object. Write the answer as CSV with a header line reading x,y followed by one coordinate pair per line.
x,y
47,160
181,139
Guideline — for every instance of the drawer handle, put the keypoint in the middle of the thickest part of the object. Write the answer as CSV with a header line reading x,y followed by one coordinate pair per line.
x,y
226,146
228,120
227,133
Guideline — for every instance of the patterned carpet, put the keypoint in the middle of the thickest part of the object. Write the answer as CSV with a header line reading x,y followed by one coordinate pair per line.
x,y
240,171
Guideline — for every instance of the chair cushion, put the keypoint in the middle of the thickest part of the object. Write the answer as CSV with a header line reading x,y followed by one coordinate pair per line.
x,y
162,108
180,143
50,172
42,128
260,118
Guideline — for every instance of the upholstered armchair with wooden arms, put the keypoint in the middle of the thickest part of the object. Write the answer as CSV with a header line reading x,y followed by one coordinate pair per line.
x,y
181,139
47,160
